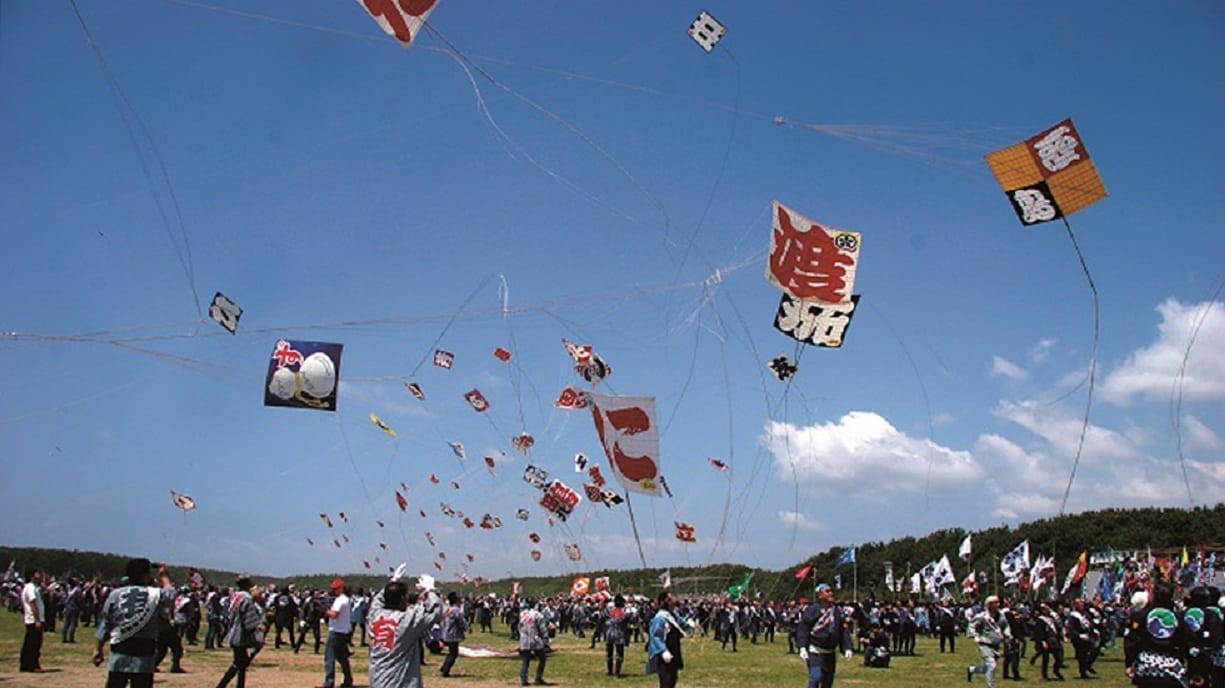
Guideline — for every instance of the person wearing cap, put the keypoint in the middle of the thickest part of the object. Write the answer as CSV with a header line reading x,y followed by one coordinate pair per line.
x,y
397,627
822,632
988,629
339,627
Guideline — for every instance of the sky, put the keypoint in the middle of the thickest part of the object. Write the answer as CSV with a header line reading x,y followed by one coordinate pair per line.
x,y
529,172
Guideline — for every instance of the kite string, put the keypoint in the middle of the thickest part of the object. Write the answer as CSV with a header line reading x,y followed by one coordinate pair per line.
x,y
629,503
1084,428
454,316
1177,390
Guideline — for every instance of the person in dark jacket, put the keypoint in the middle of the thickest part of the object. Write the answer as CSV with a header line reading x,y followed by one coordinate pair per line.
x,y
823,631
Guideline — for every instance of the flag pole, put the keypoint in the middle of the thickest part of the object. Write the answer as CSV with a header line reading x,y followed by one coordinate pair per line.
x,y
855,575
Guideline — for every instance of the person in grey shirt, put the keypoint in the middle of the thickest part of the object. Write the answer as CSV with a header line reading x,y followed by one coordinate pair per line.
x,y
128,620
396,629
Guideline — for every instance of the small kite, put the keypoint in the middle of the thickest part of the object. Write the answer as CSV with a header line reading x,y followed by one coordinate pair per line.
x,y
522,514
706,31
536,555
502,355
685,532
492,466
534,537
401,501
310,542
593,492
469,523
182,501
444,359
536,477
438,566
815,322
602,584
596,476
429,538
809,261
344,537
523,442
447,510
580,585
455,484
489,522
401,19
477,400
383,546
610,498
580,462
336,542
404,486
422,512
381,425
365,563
1048,176
718,464
458,449
470,557
303,375
587,363
343,517
782,367
225,312
326,520
571,398
380,522
574,552
434,479
442,556
415,389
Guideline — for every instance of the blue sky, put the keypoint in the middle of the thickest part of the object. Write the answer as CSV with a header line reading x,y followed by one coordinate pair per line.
x,y
610,183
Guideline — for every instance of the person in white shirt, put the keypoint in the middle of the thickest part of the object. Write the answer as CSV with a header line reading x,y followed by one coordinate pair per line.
x,y
339,628
35,616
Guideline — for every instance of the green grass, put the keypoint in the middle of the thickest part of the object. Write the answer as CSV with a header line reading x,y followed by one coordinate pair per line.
x,y
572,664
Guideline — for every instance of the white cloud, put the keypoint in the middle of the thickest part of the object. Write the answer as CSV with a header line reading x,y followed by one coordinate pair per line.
x,y
1062,428
1042,350
1200,436
1152,372
799,521
864,451
943,419
1002,367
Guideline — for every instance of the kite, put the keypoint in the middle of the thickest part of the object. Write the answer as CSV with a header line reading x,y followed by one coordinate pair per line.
x,y
455,484
343,517
596,476
458,448
344,537
685,532
402,501
477,400
536,555
404,486
593,492
815,322
706,31
560,499
415,389
444,359
587,363
182,501
470,557
447,510
1048,176
429,538
574,552
401,19
225,312
534,537
381,523
663,482
809,261
536,477
628,431
438,566
468,523
571,398
579,586
434,479
782,367
522,514
383,546
442,556
580,462
493,467
489,522
365,563
336,542
610,498
501,354
303,375
381,425
310,542
422,512
718,464
523,443
326,520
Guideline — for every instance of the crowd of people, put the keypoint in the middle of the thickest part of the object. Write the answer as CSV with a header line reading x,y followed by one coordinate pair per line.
x,y
1171,638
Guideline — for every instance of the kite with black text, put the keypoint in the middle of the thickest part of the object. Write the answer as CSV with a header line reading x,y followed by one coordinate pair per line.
x,y
401,19
303,375
1048,176
182,501
782,367
814,322
686,532
706,31
444,359
225,312
580,462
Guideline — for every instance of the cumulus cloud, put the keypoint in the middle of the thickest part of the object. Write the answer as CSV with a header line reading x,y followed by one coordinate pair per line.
x,y
863,451
1200,436
1062,428
1042,350
794,519
1153,371
1002,367
943,419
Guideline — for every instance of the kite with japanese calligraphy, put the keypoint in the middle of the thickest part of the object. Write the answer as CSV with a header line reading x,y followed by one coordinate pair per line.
x,y
1048,176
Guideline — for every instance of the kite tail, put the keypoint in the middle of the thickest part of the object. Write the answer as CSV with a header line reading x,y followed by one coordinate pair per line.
x,y
1084,428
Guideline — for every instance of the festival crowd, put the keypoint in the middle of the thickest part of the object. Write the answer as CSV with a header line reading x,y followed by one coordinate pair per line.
x,y
1171,636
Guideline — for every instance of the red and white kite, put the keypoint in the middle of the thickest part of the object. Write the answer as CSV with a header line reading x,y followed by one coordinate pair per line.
x,y
629,433
536,555
477,400
501,354
685,532
401,501
579,585
444,359
401,19
809,261
523,442
718,464
573,552
182,501
571,398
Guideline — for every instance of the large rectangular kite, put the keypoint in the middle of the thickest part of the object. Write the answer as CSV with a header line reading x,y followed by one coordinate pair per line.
x,y
401,19
810,261
629,431
1048,176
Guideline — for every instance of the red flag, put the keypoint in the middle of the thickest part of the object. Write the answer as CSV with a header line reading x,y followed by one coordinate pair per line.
x,y
501,354
402,501
803,573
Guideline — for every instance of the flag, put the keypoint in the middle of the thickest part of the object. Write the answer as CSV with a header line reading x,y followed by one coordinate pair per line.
x,y
847,557
916,584
803,573
944,573
837,581
665,579
889,583
1077,572
1185,559
1013,562
964,552
737,591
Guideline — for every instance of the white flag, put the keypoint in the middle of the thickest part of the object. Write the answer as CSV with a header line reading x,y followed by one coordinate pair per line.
x,y
965,550
1014,562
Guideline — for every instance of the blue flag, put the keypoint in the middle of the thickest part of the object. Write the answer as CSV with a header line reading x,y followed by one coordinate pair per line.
x,y
847,557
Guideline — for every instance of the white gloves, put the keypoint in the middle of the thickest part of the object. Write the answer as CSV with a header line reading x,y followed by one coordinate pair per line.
x,y
425,582
848,654
667,657
400,572
804,653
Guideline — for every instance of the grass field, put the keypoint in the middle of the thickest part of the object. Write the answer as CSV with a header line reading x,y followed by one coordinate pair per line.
x,y
572,664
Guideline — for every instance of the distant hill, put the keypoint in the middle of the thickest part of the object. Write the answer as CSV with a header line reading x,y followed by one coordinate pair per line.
x,y
1164,531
